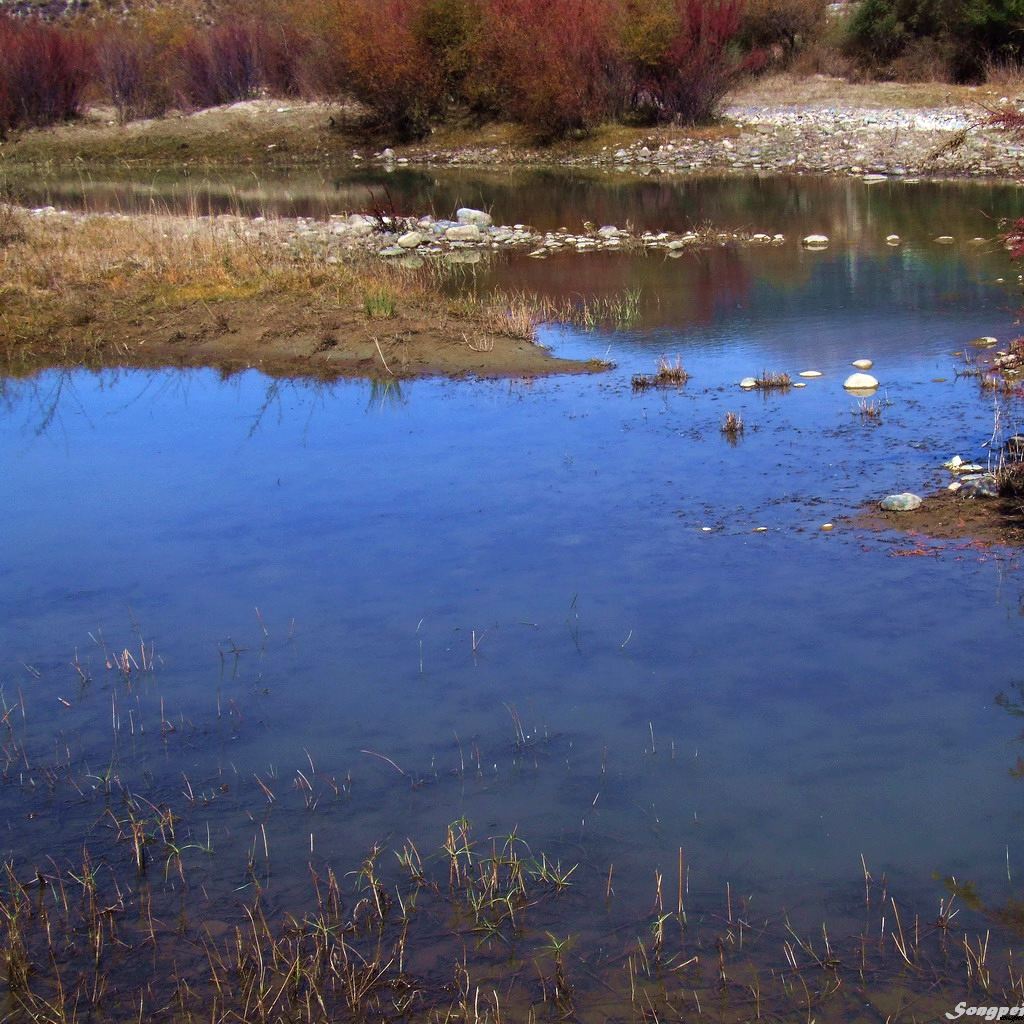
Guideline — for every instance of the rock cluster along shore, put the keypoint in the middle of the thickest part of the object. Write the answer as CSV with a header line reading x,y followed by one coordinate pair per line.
x,y
874,144
466,239
473,232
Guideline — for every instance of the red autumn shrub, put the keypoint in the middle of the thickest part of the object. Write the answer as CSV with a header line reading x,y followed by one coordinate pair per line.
x,y
683,57
386,65
44,71
221,65
132,73
453,33
555,62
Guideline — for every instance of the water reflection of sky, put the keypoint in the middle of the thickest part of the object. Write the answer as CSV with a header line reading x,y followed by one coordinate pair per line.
x,y
811,698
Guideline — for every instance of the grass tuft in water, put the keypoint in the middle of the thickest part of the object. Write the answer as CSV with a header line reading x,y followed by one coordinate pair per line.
x,y
769,381
668,375
732,426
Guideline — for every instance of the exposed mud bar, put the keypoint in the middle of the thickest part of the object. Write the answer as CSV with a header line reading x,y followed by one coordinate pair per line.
x,y
944,516
190,292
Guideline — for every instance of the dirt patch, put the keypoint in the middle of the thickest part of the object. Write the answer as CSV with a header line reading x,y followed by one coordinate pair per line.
x,y
945,517
180,291
285,336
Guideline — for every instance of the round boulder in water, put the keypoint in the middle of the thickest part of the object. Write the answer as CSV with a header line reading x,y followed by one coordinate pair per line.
x,y
810,373
905,502
860,382
815,241
862,364
748,382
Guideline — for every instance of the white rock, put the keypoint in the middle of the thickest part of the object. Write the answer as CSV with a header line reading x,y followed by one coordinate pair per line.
x,y
410,240
467,215
815,241
945,240
860,382
984,342
810,373
799,384
892,239
862,364
464,233
360,225
748,382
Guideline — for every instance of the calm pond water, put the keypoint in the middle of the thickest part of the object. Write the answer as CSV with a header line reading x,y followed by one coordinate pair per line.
x,y
417,570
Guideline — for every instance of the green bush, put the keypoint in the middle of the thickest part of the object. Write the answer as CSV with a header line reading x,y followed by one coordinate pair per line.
x,y
963,35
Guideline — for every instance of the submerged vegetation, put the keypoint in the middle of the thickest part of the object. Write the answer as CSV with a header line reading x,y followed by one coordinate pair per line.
x,y
183,902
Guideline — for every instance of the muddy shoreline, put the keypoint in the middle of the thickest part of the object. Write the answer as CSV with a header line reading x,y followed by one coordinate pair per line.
x,y
118,292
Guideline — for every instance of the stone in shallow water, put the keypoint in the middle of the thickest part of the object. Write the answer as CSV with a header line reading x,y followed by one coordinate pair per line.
x,y
748,382
983,485
905,502
862,364
860,382
810,373
892,239
945,240
815,241
985,342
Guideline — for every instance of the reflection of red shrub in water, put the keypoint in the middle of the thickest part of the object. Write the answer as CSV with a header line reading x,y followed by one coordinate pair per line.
x,y
43,73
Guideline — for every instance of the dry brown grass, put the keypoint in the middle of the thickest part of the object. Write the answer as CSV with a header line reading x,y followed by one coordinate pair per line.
x,y
189,290
669,374
732,426
772,381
